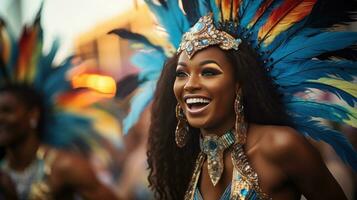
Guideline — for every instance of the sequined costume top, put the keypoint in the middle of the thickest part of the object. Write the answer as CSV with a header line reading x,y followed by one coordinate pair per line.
x,y
32,183
244,185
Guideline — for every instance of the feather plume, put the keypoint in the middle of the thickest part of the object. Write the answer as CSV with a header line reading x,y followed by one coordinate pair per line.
x,y
260,12
171,14
346,86
349,53
191,9
337,140
306,46
230,9
135,37
314,69
282,18
303,87
328,111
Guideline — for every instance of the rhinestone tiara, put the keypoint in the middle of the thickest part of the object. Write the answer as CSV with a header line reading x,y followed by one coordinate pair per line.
x,y
204,34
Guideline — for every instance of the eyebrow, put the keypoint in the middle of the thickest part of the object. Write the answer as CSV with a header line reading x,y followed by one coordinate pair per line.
x,y
201,63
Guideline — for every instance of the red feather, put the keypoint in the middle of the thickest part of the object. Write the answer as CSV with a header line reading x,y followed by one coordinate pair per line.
x,y
260,12
286,15
26,45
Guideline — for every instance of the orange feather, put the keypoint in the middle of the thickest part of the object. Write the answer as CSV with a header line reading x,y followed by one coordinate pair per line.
x,y
286,15
80,98
5,46
260,12
229,9
30,46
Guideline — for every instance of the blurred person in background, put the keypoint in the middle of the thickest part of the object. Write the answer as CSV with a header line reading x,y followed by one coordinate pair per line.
x,y
34,117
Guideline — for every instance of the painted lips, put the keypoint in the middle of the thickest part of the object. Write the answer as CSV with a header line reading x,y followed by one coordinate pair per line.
x,y
196,105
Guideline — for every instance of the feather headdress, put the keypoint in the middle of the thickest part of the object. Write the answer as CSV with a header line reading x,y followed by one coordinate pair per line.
x,y
298,44
66,125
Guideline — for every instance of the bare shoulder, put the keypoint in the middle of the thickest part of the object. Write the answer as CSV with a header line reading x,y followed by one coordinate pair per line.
x,y
281,143
68,167
287,151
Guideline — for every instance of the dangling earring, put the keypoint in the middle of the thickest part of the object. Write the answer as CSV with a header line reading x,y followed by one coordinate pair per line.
x,y
181,132
240,124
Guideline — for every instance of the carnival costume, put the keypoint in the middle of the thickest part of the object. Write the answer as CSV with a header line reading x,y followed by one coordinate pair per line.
x,y
66,125
299,47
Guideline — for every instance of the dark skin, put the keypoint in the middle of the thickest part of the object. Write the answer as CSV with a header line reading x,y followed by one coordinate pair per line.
x,y
69,172
287,165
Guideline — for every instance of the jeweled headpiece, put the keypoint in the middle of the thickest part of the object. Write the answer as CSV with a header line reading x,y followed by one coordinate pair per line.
x,y
204,34
296,42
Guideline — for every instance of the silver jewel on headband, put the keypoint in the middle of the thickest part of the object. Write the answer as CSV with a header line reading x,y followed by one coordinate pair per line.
x,y
204,34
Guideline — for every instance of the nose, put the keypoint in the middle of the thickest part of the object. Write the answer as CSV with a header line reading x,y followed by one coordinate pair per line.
x,y
193,83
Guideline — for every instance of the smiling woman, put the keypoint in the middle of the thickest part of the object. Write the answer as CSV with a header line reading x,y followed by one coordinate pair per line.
x,y
225,124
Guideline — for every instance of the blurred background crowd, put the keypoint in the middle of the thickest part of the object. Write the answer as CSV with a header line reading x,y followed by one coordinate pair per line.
x,y
108,89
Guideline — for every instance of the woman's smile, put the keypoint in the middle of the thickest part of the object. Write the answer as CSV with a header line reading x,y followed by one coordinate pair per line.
x,y
196,105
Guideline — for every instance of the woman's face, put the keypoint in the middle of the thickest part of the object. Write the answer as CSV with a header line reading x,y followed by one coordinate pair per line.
x,y
205,88
14,119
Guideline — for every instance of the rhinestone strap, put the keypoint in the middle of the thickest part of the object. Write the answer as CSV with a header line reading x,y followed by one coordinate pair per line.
x,y
245,183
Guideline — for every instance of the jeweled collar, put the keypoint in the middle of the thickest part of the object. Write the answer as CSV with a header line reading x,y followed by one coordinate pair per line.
x,y
214,146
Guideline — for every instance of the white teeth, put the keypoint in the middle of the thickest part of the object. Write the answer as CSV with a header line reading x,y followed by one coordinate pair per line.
x,y
197,100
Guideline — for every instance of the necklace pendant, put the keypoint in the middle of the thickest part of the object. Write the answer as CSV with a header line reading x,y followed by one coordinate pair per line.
x,y
215,165
214,146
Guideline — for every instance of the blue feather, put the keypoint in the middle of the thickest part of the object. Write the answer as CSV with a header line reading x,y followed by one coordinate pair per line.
x,y
251,7
63,127
45,67
172,18
337,140
215,10
150,63
192,10
138,103
306,46
56,81
341,94
298,72
328,111
243,7
204,7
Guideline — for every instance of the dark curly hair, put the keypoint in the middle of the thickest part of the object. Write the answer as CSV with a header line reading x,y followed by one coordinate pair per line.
x,y
171,167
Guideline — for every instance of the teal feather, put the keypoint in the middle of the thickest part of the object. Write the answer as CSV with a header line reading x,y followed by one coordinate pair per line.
x,y
138,103
336,139
169,16
306,46
328,111
299,72
150,64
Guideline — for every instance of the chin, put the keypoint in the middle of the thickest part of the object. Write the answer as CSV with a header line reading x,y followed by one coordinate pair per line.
x,y
198,123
